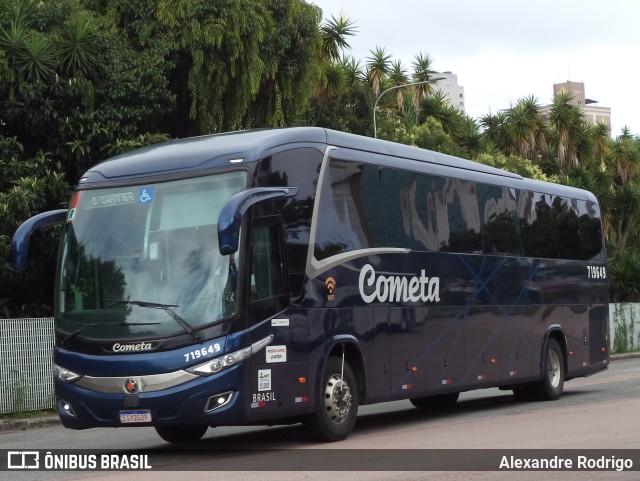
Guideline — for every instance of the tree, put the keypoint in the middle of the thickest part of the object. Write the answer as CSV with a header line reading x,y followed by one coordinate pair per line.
x,y
569,127
378,66
624,156
96,88
526,128
28,186
422,72
334,35
397,78
601,134
334,68
72,89
248,62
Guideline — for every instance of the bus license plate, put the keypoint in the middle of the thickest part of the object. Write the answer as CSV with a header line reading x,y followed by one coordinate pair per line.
x,y
137,416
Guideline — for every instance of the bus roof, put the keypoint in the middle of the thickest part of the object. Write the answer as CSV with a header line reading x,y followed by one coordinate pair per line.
x,y
218,150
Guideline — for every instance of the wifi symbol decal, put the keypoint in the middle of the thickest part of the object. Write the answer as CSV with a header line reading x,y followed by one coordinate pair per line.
x,y
331,285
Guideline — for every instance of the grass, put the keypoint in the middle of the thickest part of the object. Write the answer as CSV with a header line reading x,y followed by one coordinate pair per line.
x,y
27,414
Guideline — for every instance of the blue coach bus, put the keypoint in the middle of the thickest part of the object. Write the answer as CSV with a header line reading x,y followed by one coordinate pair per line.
x,y
287,275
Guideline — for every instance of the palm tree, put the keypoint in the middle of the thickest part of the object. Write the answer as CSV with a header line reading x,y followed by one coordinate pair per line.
x,y
600,135
333,82
626,210
334,34
422,72
333,77
353,70
77,46
38,56
495,132
625,155
569,126
526,128
378,66
398,77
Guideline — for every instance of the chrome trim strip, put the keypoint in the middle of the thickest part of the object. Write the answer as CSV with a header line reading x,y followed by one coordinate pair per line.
x,y
148,383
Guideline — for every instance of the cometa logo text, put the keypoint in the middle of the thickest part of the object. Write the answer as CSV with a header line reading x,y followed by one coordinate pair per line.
x,y
142,346
398,288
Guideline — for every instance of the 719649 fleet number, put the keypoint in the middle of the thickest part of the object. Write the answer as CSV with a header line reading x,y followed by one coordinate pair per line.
x,y
202,352
596,272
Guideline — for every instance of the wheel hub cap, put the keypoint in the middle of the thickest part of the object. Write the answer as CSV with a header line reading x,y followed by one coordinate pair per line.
x,y
337,399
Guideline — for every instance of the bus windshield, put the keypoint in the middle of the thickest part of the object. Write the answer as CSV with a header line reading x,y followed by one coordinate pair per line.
x,y
143,261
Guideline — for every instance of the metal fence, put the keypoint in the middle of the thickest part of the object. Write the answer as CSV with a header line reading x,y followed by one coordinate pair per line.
x,y
26,380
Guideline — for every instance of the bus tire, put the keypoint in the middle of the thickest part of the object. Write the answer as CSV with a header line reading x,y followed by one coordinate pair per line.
x,y
549,388
439,402
338,404
181,434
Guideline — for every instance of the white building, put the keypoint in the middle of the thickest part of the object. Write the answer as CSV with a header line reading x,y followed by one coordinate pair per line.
x,y
454,93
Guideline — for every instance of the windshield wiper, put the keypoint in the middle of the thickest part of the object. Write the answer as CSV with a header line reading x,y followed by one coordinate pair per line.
x,y
92,324
165,307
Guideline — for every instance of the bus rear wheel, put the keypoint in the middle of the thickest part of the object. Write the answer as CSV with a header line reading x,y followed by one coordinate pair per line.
x,y
338,404
550,387
181,434
439,402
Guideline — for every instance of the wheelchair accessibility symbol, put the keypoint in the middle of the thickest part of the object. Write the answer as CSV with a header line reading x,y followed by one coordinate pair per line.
x,y
145,195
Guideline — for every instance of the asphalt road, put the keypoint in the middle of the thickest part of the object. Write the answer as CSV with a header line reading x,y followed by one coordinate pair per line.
x,y
599,412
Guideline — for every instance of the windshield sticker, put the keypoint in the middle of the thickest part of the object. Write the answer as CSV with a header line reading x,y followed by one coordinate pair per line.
x,y
71,215
145,195
73,207
112,199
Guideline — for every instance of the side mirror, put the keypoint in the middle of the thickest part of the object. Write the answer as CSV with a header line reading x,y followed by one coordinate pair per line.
x,y
22,236
233,211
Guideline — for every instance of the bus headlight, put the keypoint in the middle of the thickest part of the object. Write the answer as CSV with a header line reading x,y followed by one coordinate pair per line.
x,y
64,374
224,362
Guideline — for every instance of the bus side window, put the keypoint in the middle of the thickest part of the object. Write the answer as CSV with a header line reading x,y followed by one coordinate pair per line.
x,y
267,263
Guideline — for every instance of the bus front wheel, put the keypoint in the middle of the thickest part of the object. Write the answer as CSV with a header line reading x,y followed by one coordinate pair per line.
x,y
181,434
338,404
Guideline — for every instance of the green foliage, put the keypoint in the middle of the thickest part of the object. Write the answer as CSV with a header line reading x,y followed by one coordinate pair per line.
x,y
77,46
624,276
18,391
348,109
516,164
248,61
28,186
98,88
74,90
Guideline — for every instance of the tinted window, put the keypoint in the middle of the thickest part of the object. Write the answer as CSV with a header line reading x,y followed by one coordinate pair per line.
x,y
567,227
538,225
267,269
412,203
590,230
294,168
350,214
463,216
498,213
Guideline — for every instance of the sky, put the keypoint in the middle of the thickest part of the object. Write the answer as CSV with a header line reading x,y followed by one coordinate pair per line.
x,y
506,50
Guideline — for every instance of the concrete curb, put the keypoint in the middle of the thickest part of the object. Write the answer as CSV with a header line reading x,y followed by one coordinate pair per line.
x,y
54,420
625,355
29,423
